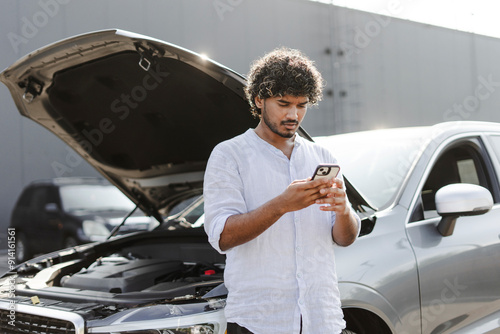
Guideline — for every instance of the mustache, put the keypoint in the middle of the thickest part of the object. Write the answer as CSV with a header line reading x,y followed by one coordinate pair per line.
x,y
295,122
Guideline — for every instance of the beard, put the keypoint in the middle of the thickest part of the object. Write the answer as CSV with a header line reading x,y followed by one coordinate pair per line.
x,y
274,126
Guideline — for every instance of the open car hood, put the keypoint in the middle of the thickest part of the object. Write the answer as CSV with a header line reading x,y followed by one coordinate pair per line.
x,y
145,113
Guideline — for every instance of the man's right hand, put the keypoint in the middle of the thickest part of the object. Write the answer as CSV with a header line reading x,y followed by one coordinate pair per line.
x,y
302,193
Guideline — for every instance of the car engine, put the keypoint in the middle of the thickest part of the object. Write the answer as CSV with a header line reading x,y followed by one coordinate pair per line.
x,y
118,274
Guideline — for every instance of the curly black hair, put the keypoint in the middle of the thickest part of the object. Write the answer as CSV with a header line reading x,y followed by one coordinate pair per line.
x,y
281,72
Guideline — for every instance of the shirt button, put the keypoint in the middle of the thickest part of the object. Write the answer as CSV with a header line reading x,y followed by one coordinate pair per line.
x,y
299,275
297,248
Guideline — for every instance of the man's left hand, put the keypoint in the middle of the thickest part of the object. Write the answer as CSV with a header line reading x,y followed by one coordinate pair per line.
x,y
335,198
345,229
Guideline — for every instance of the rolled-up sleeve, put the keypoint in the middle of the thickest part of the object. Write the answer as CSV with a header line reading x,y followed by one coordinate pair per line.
x,y
223,193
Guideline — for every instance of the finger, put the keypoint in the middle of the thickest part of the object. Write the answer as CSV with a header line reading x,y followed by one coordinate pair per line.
x,y
339,183
337,192
327,208
335,208
333,198
300,181
332,204
326,200
321,183
333,192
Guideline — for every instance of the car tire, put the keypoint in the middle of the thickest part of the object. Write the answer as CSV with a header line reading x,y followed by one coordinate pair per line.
x,y
23,252
69,242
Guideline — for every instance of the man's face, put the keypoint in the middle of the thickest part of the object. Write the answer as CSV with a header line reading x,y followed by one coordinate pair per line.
x,y
282,115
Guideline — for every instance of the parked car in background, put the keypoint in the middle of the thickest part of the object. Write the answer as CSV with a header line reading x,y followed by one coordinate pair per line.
x,y
147,114
64,212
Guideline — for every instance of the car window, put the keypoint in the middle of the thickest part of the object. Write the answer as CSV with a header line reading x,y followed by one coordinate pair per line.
x,y
189,213
495,142
461,163
94,198
194,211
182,205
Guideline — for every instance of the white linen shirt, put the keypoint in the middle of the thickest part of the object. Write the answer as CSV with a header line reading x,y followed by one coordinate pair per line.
x,y
288,271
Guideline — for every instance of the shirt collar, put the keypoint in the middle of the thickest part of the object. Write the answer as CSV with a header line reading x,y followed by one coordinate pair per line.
x,y
259,141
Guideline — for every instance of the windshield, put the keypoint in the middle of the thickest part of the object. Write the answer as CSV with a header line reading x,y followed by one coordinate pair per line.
x,y
376,162
94,198
187,214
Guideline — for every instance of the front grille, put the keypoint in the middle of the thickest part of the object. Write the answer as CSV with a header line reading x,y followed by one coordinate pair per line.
x,y
33,324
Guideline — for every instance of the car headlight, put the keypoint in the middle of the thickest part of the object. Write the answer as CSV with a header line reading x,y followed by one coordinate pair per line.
x,y
196,318
194,329
94,230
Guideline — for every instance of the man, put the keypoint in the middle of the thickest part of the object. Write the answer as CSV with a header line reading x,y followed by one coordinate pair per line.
x,y
276,226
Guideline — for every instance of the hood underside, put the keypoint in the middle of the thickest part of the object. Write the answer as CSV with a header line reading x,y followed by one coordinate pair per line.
x,y
144,113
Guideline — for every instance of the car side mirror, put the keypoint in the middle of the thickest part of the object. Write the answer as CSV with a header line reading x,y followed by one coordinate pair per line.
x,y
460,199
51,208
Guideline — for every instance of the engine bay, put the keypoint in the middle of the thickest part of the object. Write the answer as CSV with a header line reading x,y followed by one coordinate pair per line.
x,y
118,274
139,269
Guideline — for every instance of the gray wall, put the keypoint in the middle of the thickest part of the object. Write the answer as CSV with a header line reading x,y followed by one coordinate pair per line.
x,y
380,72
406,73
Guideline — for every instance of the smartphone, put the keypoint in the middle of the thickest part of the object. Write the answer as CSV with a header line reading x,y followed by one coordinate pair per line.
x,y
326,170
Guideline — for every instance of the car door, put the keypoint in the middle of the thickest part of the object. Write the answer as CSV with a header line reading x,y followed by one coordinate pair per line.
x,y
459,275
